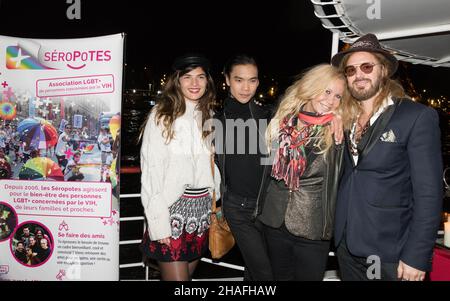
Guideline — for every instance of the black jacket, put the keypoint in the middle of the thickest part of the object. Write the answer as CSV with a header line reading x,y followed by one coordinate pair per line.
x,y
272,210
258,111
389,204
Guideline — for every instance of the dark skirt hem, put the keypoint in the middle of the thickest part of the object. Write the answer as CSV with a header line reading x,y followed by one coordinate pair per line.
x,y
188,247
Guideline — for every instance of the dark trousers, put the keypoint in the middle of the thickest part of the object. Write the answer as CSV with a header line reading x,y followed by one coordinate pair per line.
x,y
248,235
354,268
296,258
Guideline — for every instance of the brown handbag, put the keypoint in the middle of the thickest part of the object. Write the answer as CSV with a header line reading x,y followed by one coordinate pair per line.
x,y
221,240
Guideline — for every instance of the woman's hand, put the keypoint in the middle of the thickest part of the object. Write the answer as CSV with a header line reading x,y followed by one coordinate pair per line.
x,y
337,129
165,241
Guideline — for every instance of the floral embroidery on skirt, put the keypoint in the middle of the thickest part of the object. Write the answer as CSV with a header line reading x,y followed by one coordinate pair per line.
x,y
189,220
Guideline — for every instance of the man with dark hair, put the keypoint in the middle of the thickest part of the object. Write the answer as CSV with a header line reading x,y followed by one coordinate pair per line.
x,y
390,196
34,245
239,158
19,252
25,238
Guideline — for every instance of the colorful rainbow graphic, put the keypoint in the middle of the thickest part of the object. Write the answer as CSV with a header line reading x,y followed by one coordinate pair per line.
x,y
29,63
7,110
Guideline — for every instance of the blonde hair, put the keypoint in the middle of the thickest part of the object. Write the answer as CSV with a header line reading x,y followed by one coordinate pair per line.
x,y
310,84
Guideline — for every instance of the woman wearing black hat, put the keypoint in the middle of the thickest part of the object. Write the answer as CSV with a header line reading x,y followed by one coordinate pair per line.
x,y
177,181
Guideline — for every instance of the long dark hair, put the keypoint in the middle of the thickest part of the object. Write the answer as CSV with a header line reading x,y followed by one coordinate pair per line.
x,y
171,104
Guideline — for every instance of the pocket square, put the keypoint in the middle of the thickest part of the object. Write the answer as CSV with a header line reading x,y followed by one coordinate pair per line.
x,y
388,136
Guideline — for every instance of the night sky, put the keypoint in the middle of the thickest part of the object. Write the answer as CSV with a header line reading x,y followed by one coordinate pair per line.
x,y
284,35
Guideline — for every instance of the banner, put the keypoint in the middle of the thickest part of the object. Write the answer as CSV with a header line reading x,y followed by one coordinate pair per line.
x,y
60,111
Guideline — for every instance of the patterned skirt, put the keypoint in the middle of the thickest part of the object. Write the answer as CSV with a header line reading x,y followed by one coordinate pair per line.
x,y
189,220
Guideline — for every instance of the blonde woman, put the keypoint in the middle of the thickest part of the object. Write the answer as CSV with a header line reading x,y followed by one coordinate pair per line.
x,y
299,204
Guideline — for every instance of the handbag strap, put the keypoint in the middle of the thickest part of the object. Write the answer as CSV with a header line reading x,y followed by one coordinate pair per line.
x,y
213,205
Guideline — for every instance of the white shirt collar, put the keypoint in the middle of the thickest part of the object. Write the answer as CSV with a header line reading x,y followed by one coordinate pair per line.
x,y
386,103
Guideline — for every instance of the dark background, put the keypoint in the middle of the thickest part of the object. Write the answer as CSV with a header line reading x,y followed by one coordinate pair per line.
x,y
284,35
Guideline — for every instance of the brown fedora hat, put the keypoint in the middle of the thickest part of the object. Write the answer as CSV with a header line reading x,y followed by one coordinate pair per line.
x,y
367,43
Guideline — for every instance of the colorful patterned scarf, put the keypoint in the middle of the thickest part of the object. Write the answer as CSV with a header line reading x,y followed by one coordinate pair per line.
x,y
290,158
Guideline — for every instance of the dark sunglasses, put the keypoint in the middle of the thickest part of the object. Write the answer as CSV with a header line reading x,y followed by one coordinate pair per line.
x,y
367,68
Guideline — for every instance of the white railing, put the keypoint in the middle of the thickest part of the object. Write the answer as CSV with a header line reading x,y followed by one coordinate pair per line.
x,y
330,275
138,241
132,242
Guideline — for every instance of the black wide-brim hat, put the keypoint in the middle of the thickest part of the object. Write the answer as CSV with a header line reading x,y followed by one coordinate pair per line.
x,y
191,60
367,43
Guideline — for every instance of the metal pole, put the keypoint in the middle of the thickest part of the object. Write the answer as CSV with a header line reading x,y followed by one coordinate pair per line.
x,y
335,43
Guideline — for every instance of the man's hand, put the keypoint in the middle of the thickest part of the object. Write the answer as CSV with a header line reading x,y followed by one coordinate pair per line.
x,y
337,129
408,273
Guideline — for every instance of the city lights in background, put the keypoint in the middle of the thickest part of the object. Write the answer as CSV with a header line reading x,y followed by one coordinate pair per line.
x,y
148,84
440,102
